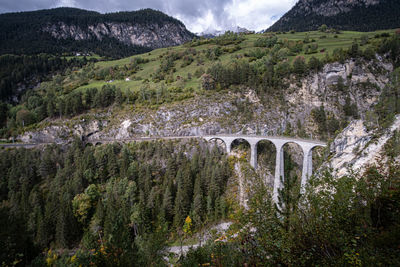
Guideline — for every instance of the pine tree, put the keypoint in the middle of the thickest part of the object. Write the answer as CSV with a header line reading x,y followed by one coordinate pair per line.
x,y
167,205
180,211
198,209
288,195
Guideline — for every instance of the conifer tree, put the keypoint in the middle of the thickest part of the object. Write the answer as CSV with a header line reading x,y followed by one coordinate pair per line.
x,y
288,194
167,204
180,211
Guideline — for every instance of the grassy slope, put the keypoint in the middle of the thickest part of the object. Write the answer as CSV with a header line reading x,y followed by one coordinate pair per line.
x,y
343,40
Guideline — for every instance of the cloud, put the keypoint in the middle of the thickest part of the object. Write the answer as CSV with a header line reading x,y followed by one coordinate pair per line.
x,y
198,15
255,14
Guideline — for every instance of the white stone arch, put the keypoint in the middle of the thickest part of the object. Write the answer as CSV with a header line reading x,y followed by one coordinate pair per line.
x,y
257,144
303,156
239,138
227,140
307,163
223,141
263,140
253,151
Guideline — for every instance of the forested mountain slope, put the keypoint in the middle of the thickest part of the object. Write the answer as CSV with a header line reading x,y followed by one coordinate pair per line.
x,y
358,15
21,73
63,30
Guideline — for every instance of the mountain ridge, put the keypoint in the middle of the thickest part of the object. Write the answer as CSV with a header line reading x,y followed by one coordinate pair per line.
x,y
73,30
357,15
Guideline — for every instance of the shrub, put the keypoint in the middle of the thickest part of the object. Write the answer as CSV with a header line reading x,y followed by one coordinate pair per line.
x,y
25,117
323,28
266,41
315,64
364,39
207,82
199,72
299,65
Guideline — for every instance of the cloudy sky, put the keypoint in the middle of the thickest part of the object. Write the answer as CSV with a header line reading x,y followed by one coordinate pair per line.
x,y
198,15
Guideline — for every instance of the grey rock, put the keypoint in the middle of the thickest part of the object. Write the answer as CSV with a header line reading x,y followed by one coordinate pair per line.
x,y
151,35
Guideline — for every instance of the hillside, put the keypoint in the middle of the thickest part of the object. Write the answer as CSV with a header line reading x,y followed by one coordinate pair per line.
x,y
242,75
66,30
358,15
74,203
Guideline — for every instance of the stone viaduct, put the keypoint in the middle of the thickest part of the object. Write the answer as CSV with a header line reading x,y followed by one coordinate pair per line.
x,y
306,145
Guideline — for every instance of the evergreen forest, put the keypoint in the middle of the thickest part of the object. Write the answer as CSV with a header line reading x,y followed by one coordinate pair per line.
x,y
112,205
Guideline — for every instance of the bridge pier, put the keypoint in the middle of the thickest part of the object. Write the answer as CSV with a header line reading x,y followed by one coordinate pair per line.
x,y
307,166
306,146
253,154
228,144
279,169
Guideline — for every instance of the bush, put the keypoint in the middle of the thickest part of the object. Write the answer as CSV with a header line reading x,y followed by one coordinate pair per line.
x,y
207,82
266,41
315,64
364,39
323,28
299,65
228,38
25,117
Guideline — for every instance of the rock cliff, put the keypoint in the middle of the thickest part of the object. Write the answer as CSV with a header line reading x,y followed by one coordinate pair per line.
x,y
150,35
356,148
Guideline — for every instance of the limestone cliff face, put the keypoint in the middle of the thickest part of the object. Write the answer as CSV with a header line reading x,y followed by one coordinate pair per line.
x,y
356,148
362,83
153,35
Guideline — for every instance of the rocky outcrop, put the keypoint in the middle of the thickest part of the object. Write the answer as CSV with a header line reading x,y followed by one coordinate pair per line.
x,y
360,82
355,148
151,35
59,132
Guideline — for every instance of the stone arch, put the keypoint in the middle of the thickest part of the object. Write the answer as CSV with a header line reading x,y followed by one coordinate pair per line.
x,y
280,164
215,139
88,144
317,153
236,142
308,163
293,153
266,153
98,143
